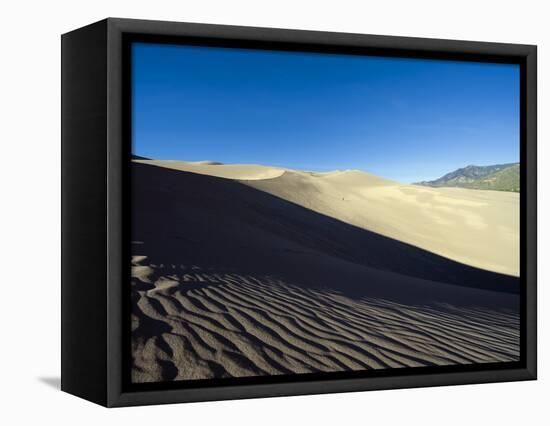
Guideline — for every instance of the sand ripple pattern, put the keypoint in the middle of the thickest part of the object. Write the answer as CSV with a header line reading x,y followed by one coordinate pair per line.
x,y
191,323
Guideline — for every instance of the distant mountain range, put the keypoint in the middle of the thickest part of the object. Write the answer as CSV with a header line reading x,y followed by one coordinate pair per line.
x,y
499,177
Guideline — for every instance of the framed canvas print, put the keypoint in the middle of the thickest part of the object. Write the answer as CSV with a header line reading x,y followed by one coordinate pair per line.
x,y
253,212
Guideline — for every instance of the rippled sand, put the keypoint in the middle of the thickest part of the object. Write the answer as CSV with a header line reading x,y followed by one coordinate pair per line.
x,y
233,278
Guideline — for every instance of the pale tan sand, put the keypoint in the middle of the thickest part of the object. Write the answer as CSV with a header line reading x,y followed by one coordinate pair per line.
x,y
212,168
232,281
479,228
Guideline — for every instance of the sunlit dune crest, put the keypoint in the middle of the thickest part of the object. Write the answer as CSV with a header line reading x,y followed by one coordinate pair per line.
x,y
212,168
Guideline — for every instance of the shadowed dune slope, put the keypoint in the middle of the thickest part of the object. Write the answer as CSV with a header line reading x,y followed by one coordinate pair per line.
x,y
189,215
230,281
478,228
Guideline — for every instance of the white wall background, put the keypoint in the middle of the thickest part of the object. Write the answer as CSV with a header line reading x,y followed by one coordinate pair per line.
x,y
30,200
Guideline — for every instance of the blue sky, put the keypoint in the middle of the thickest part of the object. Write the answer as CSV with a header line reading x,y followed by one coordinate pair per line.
x,y
404,119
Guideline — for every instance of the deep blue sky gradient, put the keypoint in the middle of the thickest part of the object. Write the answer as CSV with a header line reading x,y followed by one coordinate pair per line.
x,y
404,119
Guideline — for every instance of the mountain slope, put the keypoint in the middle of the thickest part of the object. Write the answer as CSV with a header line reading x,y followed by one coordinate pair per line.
x,y
503,180
498,177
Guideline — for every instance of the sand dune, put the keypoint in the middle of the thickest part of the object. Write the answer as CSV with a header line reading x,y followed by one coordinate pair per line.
x,y
213,168
190,324
479,228
272,287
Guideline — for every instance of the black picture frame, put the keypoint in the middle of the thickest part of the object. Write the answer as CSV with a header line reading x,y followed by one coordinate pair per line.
x,y
95,217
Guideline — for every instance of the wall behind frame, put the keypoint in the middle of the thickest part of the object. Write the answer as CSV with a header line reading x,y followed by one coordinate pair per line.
x,y
30,174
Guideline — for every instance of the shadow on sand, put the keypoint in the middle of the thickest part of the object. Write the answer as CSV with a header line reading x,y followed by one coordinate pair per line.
x,y
180,217
53,382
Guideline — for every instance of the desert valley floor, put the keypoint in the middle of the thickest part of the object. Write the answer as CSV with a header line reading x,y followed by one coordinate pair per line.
x,y
246,270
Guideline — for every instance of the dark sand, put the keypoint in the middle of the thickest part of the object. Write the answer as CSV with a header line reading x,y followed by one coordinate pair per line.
x,y
230,281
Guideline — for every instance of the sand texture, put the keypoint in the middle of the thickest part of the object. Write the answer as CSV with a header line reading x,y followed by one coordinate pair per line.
x,y
479,228
237,276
